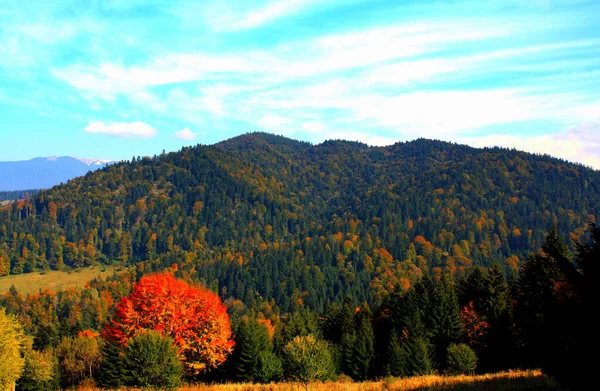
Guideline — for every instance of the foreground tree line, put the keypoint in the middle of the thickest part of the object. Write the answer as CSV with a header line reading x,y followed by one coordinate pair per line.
x,y
166,331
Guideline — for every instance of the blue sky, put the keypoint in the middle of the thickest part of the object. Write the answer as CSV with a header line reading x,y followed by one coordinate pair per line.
x,y
114,79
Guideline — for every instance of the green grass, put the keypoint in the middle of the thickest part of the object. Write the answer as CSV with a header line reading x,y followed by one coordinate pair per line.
x,y
54,280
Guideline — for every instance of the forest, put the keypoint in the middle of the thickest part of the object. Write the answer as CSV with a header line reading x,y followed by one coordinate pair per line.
x,y
17,195
405,260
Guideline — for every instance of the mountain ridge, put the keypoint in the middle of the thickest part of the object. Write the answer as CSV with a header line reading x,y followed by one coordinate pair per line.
x,y
265,216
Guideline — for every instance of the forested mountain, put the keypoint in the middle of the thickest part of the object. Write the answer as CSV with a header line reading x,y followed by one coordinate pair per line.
x,y
43,172
265,217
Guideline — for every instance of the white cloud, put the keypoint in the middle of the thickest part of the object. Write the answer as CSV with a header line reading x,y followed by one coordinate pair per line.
x,y
185,134
122,129
580,143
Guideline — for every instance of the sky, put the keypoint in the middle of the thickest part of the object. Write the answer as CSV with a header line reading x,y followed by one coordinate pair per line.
x,y
112,79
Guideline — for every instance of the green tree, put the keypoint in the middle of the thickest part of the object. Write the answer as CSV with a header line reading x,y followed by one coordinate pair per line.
x,y
308,359
152,361
12,340
417,349
112,373
395,357
252,339
269,367
461,359
447,325
363,350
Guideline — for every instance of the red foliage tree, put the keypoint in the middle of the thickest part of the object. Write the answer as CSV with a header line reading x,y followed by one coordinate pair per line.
x,y
195,318
475,327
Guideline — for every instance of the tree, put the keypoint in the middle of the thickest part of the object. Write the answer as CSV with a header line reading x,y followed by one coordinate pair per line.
x,y
395,358
251,340
112,373
195,318
152,361
78,358
447,321
269,367
363,350
39,373
12,339
416,348
461,359
308,359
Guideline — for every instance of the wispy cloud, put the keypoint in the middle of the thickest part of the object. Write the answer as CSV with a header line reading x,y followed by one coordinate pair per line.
x,y
377,72
272,11
122,129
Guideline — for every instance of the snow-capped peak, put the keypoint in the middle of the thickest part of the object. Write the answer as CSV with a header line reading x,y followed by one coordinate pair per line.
x,y
93,162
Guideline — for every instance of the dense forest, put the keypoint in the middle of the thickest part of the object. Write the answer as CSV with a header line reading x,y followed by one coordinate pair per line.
x,y
240,260
17,195
265,217
154,332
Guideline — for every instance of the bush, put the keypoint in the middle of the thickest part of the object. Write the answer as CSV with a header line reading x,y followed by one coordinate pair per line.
x,y
269,368
152,361
461,359
308,359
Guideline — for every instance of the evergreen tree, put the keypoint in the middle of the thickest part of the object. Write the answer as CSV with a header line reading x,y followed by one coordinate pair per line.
x,y
112,373
251,340
417,350
473,289
395,357
447,325
363,351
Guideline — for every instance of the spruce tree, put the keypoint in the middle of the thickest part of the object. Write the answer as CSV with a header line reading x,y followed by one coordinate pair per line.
x,y
252,339
395,357
447,325
112,373
417,351
363,352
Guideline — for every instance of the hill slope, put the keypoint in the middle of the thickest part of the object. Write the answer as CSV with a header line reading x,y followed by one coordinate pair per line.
x,y
261,216
43,173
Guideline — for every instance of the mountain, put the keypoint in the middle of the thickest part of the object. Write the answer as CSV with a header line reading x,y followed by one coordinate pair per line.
x,y
261,217
44,172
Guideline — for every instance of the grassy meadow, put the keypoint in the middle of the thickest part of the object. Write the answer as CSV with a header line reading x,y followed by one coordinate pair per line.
x,y
30,283
504,381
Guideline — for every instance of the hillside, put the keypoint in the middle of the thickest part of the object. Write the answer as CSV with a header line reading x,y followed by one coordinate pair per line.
x,y
43,173
262,216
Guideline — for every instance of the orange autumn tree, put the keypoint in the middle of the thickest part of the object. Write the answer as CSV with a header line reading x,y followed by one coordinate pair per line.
x,y
195,318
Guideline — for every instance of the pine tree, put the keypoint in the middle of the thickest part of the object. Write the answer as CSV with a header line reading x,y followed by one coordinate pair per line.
x,y
252,339
417,350
395,357
363,352
112,373
447,325
497,294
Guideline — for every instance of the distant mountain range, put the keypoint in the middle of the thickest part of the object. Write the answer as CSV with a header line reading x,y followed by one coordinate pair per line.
x,y
44,172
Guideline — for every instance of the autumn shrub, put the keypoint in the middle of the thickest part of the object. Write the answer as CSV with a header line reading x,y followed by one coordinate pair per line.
x,y
308,359
151,361
461,359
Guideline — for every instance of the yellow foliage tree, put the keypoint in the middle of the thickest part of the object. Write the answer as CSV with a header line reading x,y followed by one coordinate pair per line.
x,y
12,339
